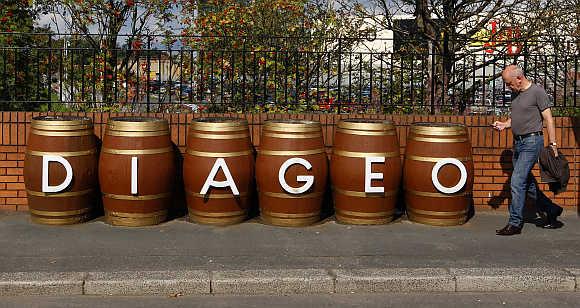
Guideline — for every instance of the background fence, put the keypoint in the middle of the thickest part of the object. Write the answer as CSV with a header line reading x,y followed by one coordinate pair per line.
x,y
47,72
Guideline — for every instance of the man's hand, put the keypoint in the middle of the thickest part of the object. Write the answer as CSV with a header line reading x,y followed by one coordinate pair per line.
x,y
500,125
555,149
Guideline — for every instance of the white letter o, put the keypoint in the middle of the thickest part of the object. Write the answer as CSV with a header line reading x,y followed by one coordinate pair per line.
x,y
435,174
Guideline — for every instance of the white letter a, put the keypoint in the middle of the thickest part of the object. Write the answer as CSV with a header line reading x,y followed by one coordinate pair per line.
x,y
210,181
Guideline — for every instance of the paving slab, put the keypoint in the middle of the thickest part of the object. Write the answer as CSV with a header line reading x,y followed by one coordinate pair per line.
x,y
576,273
166,283
294,281
394,280
513,279
41,283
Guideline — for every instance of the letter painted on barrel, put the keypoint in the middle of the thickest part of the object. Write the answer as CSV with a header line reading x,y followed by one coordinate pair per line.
x,y
134,175
46,159
435,175
211,182
369,175
307,179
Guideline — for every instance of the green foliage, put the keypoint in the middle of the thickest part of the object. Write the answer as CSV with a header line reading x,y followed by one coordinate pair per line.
x,y
21,87
566,112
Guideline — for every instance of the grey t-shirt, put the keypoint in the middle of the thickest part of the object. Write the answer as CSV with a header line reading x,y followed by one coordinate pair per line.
x,y
527,107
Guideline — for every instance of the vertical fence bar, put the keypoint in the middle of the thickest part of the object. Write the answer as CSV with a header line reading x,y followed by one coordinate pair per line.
x,y
244,101
265,77
233,81
147,78
307,79
275,77
381,80
201,87
339,75
564,103
286,63
433,81
83,57
72,75
576,81
211,78
493,94
296,77
255,77
128,83
169,85
105,94
391,85
555,92
38,76
360,81
94,81
329,96
115,74
60,74
349,78
180,92
412,98
158,83
371,85
5,77
318,68
49,83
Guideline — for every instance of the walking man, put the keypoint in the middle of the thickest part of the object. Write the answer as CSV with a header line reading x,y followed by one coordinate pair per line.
x,y
529,110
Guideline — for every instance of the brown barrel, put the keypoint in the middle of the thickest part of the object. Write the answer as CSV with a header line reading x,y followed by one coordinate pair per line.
x,y
354,140
210,139
73,139
282,140
147,139
427,144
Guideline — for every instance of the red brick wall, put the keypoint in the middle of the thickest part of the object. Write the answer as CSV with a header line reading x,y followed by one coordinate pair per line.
x,y
490,149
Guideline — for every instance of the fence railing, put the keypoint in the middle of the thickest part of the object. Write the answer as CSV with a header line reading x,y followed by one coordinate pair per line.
x,y
376,75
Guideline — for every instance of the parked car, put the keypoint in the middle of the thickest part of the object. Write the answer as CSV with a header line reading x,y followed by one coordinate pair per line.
x,y
154,86
183,90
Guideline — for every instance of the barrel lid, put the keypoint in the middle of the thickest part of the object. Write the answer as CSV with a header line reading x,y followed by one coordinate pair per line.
x,y
438,128
366,124
61,122
137,124
219,124
292,125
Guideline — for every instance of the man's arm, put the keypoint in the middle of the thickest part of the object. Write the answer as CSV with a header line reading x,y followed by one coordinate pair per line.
x,y
547,115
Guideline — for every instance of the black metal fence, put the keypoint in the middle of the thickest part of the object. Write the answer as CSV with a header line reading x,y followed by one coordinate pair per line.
x,y
48,72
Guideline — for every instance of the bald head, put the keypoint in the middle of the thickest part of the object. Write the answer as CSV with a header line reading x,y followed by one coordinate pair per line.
x,y
513,71
513,77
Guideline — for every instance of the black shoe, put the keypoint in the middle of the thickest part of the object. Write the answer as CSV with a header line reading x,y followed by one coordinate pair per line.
x,y
502,229
509,230
553,225
552,219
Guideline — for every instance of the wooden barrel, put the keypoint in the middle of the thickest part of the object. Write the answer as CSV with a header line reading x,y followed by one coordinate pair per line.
x,y
222,145
354,141
438,173
137,196
294,145
71,139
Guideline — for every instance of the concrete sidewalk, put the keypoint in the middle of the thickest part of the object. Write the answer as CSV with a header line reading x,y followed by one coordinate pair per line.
x,y
180,258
